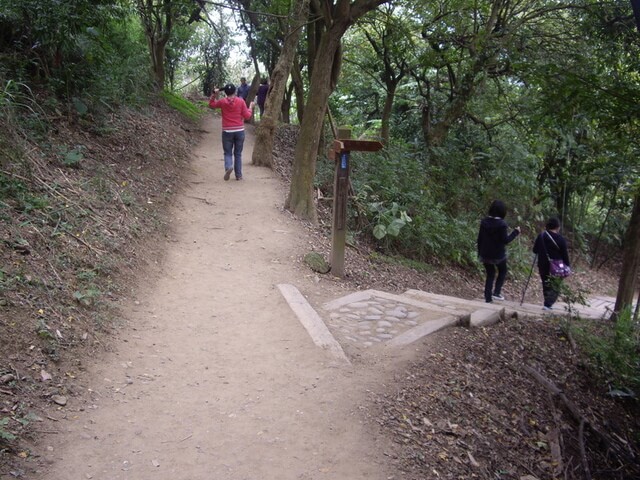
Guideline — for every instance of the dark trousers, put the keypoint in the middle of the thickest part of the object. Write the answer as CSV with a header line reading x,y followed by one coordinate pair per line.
x,y
489,288
548,292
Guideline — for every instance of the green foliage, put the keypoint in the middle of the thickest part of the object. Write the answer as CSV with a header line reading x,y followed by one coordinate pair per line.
x,y
614,352
86,52
569,295
71,157
549,127
388,220
4,433
87,297
14,192
397,208
182,105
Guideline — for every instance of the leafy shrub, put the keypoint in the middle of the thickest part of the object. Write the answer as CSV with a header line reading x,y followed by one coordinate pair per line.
x,y
614,353
400,211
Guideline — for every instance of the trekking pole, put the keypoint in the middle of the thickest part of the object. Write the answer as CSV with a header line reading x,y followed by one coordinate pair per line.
x,y
530,273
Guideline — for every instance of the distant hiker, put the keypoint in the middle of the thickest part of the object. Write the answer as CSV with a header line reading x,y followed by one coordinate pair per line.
x,y
263,90
549,246
234,111
243,89
492,240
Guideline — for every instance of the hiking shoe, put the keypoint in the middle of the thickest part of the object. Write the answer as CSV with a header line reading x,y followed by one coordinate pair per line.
x,y
227,173
547,309
497,297
238,178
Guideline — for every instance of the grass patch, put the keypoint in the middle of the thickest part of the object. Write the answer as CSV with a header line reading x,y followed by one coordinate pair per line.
x,y
182,105
404,262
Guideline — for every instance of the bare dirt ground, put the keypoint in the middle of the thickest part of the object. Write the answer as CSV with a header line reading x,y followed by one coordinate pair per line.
x,y
214,376
209,375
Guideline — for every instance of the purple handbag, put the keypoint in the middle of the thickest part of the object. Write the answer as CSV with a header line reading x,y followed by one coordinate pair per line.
x,y
557,267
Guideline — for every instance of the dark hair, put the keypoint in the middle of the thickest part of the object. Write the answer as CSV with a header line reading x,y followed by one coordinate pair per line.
x,y
229,89
264,81
498,209
552,223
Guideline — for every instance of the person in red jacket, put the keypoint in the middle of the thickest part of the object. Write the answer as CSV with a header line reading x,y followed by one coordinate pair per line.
x,y
234,112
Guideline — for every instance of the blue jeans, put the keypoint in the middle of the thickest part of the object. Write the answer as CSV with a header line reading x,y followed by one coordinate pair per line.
x,y
232,144
489,288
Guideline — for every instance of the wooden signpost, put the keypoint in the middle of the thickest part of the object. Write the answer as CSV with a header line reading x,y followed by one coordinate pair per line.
x,y
340,153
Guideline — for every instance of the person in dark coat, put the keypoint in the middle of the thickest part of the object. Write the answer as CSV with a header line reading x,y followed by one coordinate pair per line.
x,y
492,242
261,97
550,244
243,89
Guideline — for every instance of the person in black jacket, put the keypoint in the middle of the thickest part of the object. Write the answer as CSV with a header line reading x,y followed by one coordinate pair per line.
x,y
550,244
492,241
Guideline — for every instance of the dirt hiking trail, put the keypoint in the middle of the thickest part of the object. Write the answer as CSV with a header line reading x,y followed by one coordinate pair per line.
x,y
213,376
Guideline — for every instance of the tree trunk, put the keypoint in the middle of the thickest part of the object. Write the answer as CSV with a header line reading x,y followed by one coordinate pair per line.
x,y
298,86
386,112
630,263
344,13
263,148
285,111
157,20
300,199
483,54
437,133
157,49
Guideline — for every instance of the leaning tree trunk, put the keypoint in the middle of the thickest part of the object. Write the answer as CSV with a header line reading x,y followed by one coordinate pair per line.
x,y
263,147
630,263
300,198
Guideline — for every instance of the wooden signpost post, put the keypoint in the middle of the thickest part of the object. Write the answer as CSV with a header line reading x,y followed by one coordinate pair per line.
x,y
340,153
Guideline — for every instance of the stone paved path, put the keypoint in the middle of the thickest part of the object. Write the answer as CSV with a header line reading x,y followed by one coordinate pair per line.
x,y
374,319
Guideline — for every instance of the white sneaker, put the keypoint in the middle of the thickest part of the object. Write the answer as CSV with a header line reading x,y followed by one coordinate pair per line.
x,y
547,309
497,297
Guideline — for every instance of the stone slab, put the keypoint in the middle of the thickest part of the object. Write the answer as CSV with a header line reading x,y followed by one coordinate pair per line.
x,y
423,330
365,295
560,309
485,317
312,322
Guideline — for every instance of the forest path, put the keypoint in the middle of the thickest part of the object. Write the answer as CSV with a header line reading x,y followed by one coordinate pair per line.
x,y
214,376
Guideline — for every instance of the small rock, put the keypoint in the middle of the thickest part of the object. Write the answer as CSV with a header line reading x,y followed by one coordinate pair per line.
x,y
7,378
59,400
316,262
